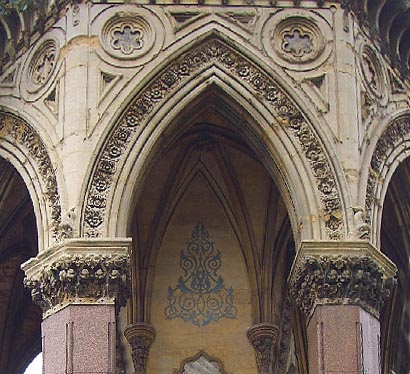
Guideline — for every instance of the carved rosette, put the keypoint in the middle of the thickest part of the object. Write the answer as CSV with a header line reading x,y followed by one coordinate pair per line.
x,y
298,40
363,277
263,339
74,277
140,336
127,36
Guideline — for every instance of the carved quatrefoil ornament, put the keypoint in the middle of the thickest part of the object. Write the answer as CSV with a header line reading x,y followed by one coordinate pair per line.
x,y
296,41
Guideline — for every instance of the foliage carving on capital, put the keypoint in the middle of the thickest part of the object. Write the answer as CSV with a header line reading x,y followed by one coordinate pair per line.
x,y
140,336
79,278
263,337
336,280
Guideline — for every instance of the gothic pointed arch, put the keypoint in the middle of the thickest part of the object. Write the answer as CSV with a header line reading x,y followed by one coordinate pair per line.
x,y
22,145
207,186
389,149
295,152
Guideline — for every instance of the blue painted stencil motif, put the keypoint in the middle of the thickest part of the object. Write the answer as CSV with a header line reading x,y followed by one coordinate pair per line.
x,y
200,295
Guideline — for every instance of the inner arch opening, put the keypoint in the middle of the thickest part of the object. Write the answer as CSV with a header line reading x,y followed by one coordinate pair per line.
x,y
395,243
212,242
20,318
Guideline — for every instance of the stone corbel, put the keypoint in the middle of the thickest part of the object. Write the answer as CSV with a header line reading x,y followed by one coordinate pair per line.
x,y
263,338
140,336
89,271
341,273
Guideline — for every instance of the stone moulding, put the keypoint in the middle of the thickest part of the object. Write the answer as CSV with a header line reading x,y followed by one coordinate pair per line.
x,y
263,338
19,132
344,273
394,136
212,51
79,272
285,334
140,336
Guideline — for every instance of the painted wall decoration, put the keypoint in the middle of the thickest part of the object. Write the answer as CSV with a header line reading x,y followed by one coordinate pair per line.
x,y
200,295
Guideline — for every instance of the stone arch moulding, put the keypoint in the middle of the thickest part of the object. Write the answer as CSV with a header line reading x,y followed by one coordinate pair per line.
x,y
214,53
392,147
21,144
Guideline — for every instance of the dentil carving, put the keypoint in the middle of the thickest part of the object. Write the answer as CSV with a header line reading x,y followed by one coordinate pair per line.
x,y
81,277
263,339
169,80
140,336
356,280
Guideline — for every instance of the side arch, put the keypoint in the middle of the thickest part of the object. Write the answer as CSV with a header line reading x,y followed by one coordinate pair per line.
x,y
390,147
293,145
23,147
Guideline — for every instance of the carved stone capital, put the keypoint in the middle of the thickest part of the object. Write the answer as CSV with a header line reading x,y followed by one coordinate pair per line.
x,y
338,273
79,271
263,339
140,336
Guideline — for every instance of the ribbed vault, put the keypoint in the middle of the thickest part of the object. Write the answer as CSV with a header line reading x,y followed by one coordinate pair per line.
x,y
204,164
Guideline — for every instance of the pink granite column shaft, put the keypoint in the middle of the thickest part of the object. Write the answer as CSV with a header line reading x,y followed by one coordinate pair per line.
x,y
343,339
80,339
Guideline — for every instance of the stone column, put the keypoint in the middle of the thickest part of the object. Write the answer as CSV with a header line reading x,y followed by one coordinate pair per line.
x,y
341,286
79,284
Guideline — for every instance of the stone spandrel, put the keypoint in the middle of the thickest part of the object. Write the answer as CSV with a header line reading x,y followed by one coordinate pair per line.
x,y
341,273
